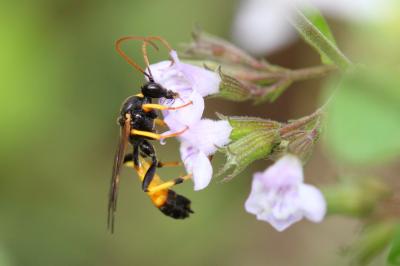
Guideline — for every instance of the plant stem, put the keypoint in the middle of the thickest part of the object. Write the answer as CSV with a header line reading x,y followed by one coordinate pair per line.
x,y
312,34
310,72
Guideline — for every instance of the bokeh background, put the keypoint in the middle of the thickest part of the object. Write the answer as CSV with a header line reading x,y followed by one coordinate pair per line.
x,y
61,86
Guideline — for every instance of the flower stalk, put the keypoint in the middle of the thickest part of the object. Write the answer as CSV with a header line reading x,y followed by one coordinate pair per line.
x,y
244,77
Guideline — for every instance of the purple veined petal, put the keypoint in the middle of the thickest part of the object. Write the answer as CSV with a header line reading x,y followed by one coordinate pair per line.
x,y
188,115
207,135
197,164
286,172
204,81
313,203
285,203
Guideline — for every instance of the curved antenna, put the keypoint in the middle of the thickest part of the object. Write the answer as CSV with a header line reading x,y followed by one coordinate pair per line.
x,y
144,49
128,59
146,58
163,42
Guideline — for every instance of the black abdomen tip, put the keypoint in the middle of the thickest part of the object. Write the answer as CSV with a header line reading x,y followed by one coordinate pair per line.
x,y
176,206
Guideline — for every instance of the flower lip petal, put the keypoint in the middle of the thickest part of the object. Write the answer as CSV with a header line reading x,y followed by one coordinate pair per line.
x,y
280,225
197,164
313,203
207,135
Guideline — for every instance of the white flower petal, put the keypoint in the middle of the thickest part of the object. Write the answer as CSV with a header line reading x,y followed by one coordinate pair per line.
x,y
280,225
254,202
197,164
260,26
207,135
204,81
313,203
187,116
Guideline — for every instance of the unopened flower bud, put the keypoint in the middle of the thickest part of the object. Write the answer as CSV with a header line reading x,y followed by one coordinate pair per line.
x,y
356,198
303,144
207,46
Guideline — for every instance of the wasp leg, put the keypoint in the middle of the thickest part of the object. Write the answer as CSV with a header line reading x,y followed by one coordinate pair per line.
x,y
149,151
160,164
150,106
169,184
135,154
155,135
168,164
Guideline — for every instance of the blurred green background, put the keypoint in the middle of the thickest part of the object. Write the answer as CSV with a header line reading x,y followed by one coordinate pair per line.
x,y
62,84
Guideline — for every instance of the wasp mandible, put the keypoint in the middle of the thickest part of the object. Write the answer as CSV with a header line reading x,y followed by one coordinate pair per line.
x,y
137,120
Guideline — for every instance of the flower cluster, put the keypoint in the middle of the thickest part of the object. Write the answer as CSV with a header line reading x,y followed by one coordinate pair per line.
x,y
278,195
203,136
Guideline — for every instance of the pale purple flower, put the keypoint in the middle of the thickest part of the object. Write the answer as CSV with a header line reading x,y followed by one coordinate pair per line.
x,y
198,143
280,197
191,82
203,136
261,26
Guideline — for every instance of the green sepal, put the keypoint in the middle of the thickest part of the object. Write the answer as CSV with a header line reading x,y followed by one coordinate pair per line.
x,y
253,146
244,125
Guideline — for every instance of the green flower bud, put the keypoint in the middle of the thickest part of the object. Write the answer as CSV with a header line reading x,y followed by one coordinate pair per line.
x,y
251,147
356,198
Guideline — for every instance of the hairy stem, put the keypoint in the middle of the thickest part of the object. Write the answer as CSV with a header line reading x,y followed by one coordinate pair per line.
x,y
310,72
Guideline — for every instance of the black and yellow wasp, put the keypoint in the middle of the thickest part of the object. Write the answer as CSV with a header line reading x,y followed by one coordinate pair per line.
x,y
137,121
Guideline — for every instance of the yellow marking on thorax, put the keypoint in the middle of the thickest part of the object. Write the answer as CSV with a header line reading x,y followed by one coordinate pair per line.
x,y
140,95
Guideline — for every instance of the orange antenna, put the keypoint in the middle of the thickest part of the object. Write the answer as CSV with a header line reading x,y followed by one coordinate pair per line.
x,y
146,58
163,42
128,59
144,49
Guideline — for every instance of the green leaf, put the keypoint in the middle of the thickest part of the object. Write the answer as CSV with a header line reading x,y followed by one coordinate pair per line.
x,y
394,254
318,20
364,117
372,242
313,28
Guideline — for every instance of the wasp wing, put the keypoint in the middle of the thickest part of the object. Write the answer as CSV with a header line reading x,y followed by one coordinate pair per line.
x,y
118,160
